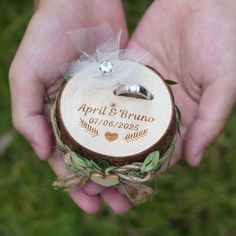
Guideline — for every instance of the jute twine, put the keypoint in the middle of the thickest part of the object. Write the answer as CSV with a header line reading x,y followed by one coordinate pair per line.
x,y
133,178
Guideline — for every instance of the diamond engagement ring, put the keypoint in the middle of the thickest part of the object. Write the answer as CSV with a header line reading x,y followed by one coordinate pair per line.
x,y
133,90
106,67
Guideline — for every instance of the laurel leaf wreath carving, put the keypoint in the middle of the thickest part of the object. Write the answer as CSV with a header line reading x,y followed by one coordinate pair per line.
x,y
88,128
135,136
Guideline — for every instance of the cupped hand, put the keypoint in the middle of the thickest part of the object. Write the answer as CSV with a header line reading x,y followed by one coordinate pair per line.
x,y
193,43
35,72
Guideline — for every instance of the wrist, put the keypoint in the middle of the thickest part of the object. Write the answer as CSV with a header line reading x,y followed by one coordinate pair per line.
x,y
193,5
75,14
76,3
180,9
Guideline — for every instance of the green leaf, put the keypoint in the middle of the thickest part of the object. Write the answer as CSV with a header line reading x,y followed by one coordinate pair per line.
x,y
170,82
71,167
88,163
95,165
151,162
169,153
77,160
104,164
109,169
150,157
170,150
90,170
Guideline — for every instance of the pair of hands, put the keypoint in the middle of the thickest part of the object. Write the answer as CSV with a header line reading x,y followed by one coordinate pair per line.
x,y
192,42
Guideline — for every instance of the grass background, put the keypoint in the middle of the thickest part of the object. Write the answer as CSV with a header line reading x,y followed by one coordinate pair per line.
x,y
191,201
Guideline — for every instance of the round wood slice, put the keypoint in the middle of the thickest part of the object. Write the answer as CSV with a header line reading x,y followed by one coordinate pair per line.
x,y
100,125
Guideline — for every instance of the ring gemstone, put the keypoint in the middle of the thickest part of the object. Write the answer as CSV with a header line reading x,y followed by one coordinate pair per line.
x,y
106,67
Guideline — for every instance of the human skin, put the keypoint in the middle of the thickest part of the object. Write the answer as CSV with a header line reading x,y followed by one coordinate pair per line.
x,y
35,71
192,42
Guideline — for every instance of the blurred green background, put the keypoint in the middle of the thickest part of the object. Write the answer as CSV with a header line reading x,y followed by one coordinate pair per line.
x,y
191,201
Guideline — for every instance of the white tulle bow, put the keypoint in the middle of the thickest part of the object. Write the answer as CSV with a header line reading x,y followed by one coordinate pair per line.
x,y
99,50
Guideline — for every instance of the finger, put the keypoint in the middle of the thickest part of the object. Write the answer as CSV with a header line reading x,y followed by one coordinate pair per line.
x,y
92,188
118,202
28,109
215,105
88,203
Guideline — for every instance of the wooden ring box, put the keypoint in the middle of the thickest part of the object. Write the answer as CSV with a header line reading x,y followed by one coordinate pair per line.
x,y
99,125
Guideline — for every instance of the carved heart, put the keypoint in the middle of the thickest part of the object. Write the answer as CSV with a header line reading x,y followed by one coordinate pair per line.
x,y
106,181
111,136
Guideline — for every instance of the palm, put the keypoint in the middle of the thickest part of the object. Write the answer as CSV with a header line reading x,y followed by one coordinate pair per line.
x,y
194,46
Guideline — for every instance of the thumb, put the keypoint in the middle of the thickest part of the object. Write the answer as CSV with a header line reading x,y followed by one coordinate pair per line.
x,y
28,109
215,105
